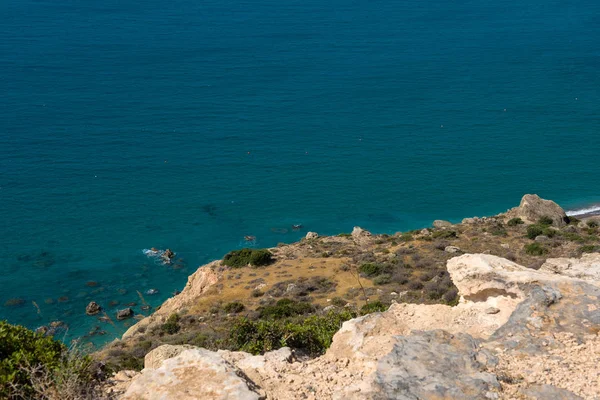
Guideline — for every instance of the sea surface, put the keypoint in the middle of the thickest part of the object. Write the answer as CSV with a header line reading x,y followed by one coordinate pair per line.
x,y
126,125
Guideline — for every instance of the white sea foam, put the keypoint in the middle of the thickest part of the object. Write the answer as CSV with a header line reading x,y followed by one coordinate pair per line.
x,y
582,211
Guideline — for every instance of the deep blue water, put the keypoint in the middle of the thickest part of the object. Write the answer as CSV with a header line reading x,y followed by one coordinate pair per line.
x,y
184,124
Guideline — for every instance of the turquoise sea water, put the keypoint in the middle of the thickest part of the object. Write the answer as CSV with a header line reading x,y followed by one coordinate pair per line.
x,y
188,125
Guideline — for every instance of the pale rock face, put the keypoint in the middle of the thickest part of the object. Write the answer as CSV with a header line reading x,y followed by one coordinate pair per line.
x,y
155,358
587,267
532,208
452,249
311,235
193,374
438,223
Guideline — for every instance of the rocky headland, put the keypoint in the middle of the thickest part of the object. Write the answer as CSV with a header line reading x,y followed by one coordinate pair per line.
x,y
503,307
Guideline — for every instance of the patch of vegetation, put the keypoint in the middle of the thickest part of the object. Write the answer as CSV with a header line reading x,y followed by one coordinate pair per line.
x,y
382,279
535,249
444,234
285,308
545,220
406,237
536,230
498,230
590,248
33,365
338,302
374,306
171,326
592,224
234,307
370,269
345,235
515,221
311,334
244,257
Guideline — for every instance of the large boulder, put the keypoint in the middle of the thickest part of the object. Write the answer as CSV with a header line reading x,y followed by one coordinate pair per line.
x,y
193,374
532,208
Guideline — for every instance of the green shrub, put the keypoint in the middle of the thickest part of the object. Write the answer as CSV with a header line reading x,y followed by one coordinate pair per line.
x,y
345,235
338,302
535,249
574,221
285,308
536,230
234,307
444,234
498,231
312,334
171,326
244,257
515,221
370,269
382,279
545,220
590,248
406,237
20,347
592,224
374,306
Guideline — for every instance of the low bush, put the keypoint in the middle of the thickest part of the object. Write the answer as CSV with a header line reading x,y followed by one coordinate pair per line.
x,y
285,308
370,269
536,230
338,302
171,326
244,257
444,234
515,221
545,220
311,334
590,248
374,306
382,279
234,307
406,237
535,249
592,224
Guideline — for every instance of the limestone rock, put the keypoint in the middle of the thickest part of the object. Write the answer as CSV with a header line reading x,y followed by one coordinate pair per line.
x,y
438,223
124,313
311,235
193,374
587,267
358,232
532,208
452,249
542,239
155,358
92,308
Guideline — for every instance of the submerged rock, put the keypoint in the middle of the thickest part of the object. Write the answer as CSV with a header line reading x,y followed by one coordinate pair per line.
x,y
93,308
125,313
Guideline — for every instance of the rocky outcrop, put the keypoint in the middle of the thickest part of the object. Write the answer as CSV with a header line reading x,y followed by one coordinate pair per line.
x,y
193,374
532,208
311,235
516,333
124,313
439,224
198,283
155,358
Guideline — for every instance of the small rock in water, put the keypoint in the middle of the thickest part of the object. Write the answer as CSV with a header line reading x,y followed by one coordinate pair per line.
x,y
167,256
113,303
93,308
132,304
145,307
91,284
63,299
42,330
125,313
152,291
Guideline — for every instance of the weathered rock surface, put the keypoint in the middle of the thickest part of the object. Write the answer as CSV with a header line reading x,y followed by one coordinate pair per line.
x,y
124,313
516,333
532,208
438,223
155,358
193,374
198,283
311,235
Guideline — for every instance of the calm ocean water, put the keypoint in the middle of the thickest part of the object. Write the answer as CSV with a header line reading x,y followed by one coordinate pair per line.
x,y
186,124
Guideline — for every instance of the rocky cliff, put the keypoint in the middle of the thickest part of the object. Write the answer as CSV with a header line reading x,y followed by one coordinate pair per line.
x,y
516,333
